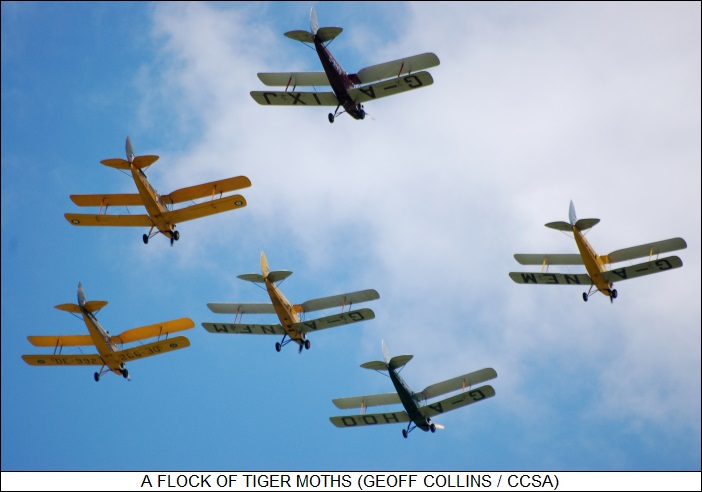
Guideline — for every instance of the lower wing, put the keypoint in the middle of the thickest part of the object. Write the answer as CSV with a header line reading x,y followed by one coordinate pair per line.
x,y
293,79
152,331
460,382
551,278
282,98
367,401
370,419
149,349
391,87
642,269
64,360
109,220
117,200
458,401
335,320
204,209
244,329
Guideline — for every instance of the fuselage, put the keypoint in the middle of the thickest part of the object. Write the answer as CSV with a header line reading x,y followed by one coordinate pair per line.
x,y
152,202
408,399
339,80
285,312
593,263
103,342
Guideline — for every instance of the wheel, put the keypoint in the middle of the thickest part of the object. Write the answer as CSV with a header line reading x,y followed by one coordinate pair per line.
x,y
176,235
585,296
97,377
125,373
307,344
614,293
331,118
432,427
145,237
277,346
404,433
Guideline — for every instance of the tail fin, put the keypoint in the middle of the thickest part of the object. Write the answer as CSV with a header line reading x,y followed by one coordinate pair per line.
x,y
264,265
314,25
582,224
90,306
395,362
130,150
81,295
571,214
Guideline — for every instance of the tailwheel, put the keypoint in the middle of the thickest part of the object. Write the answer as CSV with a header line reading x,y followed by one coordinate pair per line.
x,y
145,237
277,346
585,296
307,344
404,433
331,118
97,377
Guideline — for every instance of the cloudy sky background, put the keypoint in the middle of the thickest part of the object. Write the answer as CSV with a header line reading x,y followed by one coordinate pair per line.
x,y
426,201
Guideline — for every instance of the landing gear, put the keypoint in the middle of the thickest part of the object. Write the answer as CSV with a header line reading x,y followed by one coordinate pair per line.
x,y
278,346
145,237
125,374
432,427
404,433
97,377
176,235
614,293
307,344
585,296
331,118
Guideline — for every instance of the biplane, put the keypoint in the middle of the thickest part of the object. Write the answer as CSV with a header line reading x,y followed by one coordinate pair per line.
x,y
418,412
160,214
292,327
599,276
109,357
349,91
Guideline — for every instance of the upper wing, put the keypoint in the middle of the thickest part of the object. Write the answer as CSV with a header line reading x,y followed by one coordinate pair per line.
x,y
206,189
650,249
340,300
149,349
293,79
63,360
460,382
549,259
241,328
335,320
551,278
642,269
109,220
370,419
119,200
156,330
241,308
281,98
458,401
391,87
367,401
204,209
61,341
397,68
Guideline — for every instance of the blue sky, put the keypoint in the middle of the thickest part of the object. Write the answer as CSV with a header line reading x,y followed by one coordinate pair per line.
x,y
425,201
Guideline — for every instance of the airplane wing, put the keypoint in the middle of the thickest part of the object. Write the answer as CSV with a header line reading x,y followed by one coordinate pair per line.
x,y
549,259
206,190
390,87
294,79
367,401
370,419
335,320
119,200
280,98
241,308
61,341
245,329
642,269
109,220
458,401
204,209
460,382
551,278
63,360
340,300
156,330
149,349
650,249
397,68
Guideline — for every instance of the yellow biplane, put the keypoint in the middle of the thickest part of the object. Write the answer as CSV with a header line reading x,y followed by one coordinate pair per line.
x,y
109,356
598,276
160,213
291,327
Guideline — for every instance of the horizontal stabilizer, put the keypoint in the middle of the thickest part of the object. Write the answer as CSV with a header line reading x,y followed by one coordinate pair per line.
x,y
155,330
90,306
63,360
396,362
370,419
642,269
69,308
458,401
140,162
241,308
61,341
551,278
275,276
391,87
397,68
340,300
206,190
112,200
461,382
149,349
324,34
560,226
236,329
375,365
283,98
109,220
294,79
367,401
300,35
334,320
204,209
549,259
650,249
585,224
